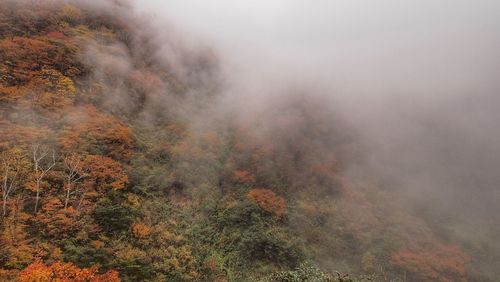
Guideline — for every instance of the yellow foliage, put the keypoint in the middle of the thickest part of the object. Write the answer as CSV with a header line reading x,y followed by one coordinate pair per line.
x,y
70,13
133,200
127,252
53,89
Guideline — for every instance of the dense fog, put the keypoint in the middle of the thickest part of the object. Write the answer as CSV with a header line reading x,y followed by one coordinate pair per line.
x,y
417,80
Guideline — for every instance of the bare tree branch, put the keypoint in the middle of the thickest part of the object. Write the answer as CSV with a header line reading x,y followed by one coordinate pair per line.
x,y
38,157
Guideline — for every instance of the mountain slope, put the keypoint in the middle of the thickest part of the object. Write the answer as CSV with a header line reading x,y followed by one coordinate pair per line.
x,y
112,157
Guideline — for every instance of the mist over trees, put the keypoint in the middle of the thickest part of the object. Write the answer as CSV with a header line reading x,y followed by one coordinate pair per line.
x,y
130,151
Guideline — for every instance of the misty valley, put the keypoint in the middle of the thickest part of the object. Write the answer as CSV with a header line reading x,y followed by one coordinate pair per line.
x,y
132,150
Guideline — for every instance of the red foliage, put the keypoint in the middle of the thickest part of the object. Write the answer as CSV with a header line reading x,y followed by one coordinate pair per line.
x,y
268,201
432,262
65,272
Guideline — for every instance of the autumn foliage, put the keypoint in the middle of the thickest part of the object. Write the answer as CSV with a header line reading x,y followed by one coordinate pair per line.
x,y
105,173
268,201
141,230
91,130
243,177
65,272
133,180
23,57
440,262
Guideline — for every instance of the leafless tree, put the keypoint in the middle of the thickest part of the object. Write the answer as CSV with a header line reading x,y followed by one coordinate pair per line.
x,y
13,167
7,185
74,172
39,155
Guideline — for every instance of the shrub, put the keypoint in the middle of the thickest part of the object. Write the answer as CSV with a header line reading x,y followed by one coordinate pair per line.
x,y
39,272
271,245
307,272
268,201
243,177
432,262
112,217
141,230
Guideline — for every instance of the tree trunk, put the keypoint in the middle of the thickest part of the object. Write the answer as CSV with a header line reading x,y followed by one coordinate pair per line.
x,y
4,195
37,194
4,206
80,202
67,195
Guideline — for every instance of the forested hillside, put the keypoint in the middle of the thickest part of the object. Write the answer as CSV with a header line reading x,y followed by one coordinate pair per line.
x,y
114,168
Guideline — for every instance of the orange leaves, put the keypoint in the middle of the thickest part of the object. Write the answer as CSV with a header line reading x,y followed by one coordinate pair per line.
x,y
243,177
105,173
98,244
12,134
35,272
38,70
52,90
268,201
65,272
141,230
11,94
57,221
52,205
90,128
56,35
8,275
433,262
16,250
22,57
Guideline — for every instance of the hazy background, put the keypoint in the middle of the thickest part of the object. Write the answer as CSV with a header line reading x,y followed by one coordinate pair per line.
x,y
418,80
